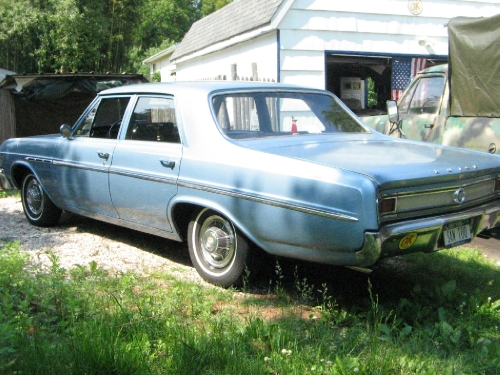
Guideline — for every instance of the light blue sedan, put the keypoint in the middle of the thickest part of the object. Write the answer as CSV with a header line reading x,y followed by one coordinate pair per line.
x,y
231,167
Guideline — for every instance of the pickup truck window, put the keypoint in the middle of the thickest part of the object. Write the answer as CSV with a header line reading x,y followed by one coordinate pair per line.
x,y
423,97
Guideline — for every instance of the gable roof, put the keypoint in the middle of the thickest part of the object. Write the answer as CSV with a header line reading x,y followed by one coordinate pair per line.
x,y
160,55
235,18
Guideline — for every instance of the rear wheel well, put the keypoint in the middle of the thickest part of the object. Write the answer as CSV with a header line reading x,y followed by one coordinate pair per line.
x,y
182,215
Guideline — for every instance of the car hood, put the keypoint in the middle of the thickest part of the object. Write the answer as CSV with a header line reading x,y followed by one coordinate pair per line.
x,y
390,162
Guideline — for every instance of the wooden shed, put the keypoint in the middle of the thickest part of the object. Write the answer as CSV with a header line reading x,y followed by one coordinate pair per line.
x,y
36,104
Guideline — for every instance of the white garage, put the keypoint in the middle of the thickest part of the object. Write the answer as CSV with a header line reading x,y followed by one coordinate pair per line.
x,y
343,46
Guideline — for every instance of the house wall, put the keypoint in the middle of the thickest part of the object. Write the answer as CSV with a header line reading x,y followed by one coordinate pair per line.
x,y
311,27
261,50
166,68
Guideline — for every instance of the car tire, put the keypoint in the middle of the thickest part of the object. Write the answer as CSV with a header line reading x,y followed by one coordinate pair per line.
x,y
37,206
219,251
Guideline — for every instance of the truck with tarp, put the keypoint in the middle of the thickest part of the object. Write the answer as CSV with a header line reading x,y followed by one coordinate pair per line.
x,y
456,104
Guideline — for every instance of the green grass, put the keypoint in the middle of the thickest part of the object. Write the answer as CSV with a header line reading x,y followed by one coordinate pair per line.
x,y
10,193
422,314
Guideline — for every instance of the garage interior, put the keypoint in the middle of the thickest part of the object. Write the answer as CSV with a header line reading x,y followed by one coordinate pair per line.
x,y
363,82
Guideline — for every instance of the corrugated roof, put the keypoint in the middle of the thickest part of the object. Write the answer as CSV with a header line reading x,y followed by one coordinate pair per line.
x,y
235,18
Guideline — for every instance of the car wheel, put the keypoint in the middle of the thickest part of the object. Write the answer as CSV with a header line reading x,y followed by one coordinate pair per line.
x,y
37,206
217,249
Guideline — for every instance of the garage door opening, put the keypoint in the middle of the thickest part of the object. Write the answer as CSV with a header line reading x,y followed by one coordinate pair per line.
x,y
365,83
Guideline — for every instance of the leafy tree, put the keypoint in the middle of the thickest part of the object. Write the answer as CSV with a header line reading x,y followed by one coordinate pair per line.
x,y
210,6
136,57
74,36
122,17
164,19
97,35
19,28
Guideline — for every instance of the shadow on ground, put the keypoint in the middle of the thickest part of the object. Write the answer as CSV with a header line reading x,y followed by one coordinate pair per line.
x,y
392,280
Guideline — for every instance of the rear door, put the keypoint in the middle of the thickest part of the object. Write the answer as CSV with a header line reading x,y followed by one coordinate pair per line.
x,y
146,162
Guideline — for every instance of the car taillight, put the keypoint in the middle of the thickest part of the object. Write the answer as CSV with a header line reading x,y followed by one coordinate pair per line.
x,y
497,186
387,205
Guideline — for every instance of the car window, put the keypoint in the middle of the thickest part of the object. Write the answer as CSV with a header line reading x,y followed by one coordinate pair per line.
x,y
104,119
154,119
425,97
264,114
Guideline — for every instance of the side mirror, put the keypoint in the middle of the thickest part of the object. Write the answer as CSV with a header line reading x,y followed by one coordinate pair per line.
x,y
392,111
65,130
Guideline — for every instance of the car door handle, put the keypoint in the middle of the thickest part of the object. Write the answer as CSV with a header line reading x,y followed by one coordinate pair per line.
x,y
103,155
429,126
168,163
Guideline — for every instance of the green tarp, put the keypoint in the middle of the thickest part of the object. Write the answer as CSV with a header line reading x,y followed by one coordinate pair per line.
x,y
474,66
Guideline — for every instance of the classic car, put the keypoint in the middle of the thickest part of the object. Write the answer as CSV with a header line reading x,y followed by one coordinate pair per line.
x,y
231,167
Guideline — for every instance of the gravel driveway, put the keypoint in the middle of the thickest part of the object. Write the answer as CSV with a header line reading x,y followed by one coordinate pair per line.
x,y
78,240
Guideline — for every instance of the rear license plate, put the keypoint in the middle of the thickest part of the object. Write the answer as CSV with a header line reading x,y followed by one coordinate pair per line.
x,y
457,233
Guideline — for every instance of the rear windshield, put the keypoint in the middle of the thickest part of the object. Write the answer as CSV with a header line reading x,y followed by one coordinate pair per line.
x,y
265,114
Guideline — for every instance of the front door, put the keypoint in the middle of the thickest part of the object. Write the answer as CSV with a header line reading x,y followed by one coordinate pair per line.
x,y
82,161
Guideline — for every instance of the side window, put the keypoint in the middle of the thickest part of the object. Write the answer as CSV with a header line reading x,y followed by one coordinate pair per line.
x,y
154,119
104,119
425,97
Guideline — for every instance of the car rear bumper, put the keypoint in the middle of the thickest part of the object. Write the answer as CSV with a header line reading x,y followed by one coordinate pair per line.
x,y
423,235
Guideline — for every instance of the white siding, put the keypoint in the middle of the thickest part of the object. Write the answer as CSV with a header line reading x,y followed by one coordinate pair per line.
x,y
166,70
311,27
431,8
261,50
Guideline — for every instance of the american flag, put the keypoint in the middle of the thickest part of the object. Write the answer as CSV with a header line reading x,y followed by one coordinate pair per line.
x,y
403,70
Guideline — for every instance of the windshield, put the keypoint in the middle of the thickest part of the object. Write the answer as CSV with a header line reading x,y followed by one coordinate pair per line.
x,y
266,114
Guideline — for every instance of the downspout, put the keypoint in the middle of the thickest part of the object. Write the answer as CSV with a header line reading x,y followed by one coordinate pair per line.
x,y
278,44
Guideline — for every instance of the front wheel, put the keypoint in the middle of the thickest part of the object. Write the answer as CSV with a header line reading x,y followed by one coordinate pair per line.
x,y
37,206
217,249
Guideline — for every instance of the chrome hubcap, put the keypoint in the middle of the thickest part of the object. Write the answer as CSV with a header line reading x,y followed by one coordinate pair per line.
x,y
217,241
34,197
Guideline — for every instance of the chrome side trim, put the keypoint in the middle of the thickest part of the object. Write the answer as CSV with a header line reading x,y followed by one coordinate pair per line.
x,y
38,160
270,202
79,166
141,176
145,177
234,194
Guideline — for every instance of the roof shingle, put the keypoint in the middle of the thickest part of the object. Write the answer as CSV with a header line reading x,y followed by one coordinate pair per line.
x,y
235,18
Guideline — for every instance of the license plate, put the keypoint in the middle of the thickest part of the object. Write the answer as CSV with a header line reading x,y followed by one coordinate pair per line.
x,y
456,234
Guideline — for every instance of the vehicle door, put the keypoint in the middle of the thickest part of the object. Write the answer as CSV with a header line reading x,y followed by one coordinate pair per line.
x,y
145,167
82,161
419,109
